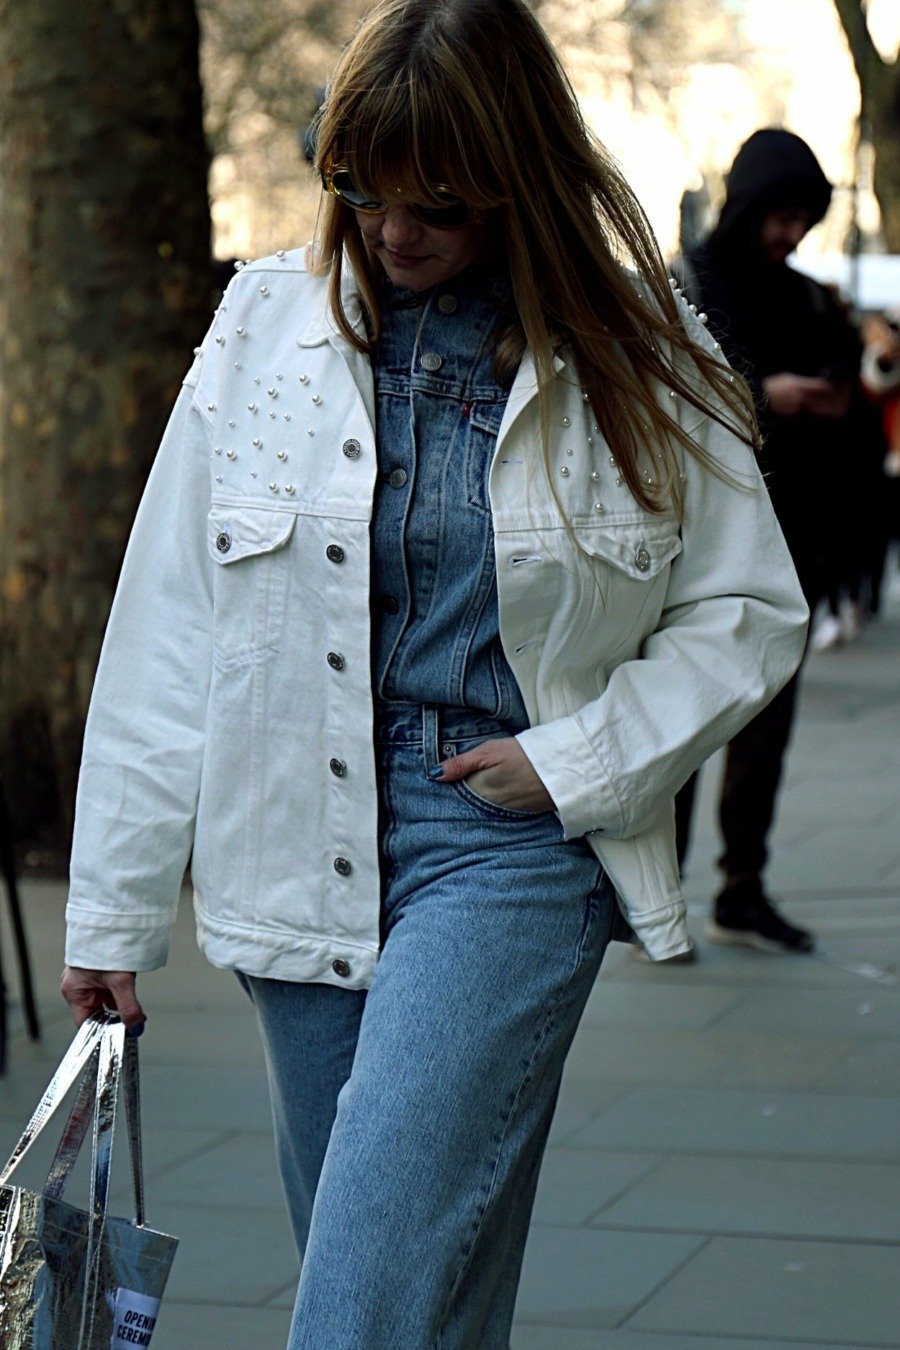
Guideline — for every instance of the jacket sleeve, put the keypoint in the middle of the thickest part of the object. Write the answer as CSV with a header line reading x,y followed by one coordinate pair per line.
x,y
731,633
140,771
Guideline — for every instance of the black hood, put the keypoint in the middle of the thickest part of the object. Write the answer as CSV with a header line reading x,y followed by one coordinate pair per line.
x,y
773,168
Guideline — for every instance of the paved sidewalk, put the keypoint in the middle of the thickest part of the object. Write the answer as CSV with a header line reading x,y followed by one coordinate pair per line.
x,y
725,1164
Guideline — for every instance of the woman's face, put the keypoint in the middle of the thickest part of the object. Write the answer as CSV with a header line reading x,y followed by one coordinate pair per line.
x,y
419,256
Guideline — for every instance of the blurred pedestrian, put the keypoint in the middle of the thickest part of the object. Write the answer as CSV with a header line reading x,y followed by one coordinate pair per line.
x,y
789,336
454,563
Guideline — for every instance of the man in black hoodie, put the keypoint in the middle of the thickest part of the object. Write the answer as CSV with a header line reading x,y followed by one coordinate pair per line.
x,y
787,335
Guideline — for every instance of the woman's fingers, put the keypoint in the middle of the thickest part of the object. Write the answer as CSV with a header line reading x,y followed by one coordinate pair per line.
x,y
88,991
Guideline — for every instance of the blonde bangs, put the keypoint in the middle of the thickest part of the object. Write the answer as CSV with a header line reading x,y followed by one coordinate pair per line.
x,y
411,137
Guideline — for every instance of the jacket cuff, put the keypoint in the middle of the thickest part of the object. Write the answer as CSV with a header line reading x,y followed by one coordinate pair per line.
x,y
567,764
103,940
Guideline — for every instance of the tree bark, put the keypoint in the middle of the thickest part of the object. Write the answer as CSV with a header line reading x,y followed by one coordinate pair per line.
x,y
104,289
879,83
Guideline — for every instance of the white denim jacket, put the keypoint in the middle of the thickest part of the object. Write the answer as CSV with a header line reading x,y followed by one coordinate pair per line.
x,y
235,667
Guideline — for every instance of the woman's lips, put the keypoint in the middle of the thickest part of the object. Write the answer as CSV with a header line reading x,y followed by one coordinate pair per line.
x,y
404,259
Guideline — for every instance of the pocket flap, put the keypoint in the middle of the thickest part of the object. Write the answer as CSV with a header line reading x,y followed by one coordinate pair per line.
x,y
243,532
640,549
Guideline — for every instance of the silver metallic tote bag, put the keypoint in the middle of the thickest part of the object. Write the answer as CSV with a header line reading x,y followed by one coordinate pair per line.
x,y
72,1279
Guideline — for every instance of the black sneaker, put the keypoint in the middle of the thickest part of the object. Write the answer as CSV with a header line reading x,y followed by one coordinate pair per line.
x,y
746,917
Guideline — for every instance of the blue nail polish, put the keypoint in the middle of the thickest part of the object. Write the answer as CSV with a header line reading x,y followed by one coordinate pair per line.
x,y
436,772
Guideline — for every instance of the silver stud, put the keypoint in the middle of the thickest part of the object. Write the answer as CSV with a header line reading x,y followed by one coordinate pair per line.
x,y
231,421
585,397
304,379
219,339
683,477
218,450
197,351
289,487
310,432
232,454
279,377
570,452
273,487
210,407
280,253
237,365
317,399
287,417
273,393
257,442
253,407
256,379
612,460
642,560
565,471
252,473
599,508
281,454
673,393
567,421
673,283
618,482
596,428
717,346
238,266
241,332
273,415
692,308
264,290
595,477
590,440
218,478
703,318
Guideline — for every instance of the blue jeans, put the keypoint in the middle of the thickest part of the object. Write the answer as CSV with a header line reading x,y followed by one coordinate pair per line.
x,y
411,1119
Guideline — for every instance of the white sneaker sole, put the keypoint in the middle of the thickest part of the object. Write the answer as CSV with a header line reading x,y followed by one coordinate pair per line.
x,y
738,937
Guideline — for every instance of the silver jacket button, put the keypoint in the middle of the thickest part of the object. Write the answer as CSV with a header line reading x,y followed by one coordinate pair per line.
x,y
338,767
223,541
642,560
343,866
334,553
341,968
397,478
351,449
431,361
335,660
447,304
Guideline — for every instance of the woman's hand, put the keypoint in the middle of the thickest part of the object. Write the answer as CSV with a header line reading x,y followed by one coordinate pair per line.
x,y
501,772
87,991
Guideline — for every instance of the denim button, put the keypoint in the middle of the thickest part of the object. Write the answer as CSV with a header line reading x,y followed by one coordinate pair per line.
x,y
351,449
431,361
642,560
389,603
335,660
397,478
338,767
341,968
334,553
447,304
223,541
343,866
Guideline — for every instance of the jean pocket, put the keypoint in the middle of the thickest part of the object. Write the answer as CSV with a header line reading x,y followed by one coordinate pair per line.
x,y
493,810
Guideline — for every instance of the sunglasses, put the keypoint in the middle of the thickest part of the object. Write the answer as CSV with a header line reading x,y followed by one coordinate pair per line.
x,y
446,212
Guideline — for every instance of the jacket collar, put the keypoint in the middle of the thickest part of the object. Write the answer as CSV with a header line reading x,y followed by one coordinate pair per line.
x,y
321,326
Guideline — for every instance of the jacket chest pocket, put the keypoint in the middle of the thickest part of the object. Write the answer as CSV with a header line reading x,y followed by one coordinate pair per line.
x,y
629,564
251,580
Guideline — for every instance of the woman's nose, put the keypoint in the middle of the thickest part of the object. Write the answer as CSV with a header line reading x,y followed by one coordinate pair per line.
x,y
399,225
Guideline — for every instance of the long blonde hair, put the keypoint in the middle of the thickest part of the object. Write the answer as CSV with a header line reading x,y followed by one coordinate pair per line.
x,y
470,94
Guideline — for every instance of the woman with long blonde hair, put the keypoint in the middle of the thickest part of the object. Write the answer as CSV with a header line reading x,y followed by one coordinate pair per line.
x,y
453,566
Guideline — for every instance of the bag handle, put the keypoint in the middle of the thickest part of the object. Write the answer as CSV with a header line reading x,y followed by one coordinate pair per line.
x,y
80,1117
73,1062
109,1071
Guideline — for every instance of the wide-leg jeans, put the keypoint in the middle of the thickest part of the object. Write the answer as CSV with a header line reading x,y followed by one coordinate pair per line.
x,y
411,1119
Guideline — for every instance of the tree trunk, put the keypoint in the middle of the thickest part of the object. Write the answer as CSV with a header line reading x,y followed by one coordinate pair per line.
x,y
883,107
879,84
104,289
